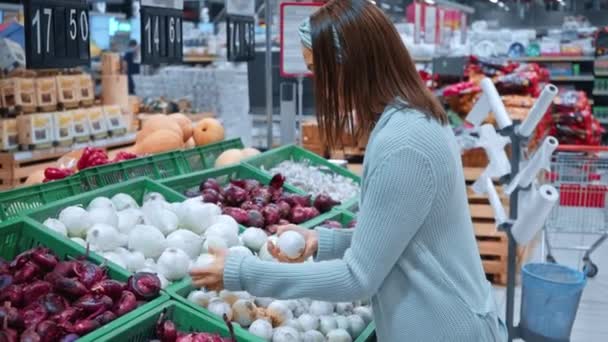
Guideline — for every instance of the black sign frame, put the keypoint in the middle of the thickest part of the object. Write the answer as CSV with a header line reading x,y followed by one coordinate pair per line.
x,y
240,38
54,32
160,20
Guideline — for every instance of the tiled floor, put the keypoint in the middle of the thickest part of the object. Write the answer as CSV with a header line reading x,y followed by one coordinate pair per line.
x,y
591,323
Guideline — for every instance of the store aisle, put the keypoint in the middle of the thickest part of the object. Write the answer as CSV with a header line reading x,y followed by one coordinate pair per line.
x,y
590,324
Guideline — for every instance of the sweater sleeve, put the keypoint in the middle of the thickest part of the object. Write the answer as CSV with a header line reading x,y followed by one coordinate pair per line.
x,y
398,197
332,243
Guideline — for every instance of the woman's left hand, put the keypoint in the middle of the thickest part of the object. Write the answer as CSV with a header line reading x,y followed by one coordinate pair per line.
x,y
212,276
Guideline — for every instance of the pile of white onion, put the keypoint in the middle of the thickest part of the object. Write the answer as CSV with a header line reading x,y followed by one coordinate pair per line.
x,y
316,181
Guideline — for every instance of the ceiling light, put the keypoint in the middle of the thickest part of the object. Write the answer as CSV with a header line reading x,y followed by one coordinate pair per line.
x,y
501,4
430,2
493,1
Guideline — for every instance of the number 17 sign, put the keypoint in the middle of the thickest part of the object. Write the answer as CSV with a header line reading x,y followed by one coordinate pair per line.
x,y
57,33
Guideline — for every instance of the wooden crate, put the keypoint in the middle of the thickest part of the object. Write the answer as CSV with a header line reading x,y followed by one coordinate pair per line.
x,y
68,91
18,94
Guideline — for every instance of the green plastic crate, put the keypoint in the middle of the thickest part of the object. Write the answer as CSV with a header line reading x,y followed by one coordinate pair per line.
x,y
344,217
159,166
203,157
181,295
271,158
18,235
136,188
14,202
223,176
185,318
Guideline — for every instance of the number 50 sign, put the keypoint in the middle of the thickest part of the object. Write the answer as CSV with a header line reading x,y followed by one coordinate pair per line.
x,y
57,33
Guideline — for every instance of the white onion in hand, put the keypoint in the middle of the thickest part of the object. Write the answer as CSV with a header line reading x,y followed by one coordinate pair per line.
x,y
292,244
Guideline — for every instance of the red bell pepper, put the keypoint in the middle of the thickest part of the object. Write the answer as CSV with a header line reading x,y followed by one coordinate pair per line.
x,y
55,173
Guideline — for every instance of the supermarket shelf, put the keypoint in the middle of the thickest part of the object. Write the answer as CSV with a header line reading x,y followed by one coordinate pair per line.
x,y
199,59
579,78
423,59
600,93
555,59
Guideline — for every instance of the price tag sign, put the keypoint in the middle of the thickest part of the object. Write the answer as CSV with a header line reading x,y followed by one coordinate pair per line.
x,y
57,33
292,14
161,31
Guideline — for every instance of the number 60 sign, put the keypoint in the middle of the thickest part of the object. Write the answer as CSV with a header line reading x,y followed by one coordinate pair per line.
x,y
57,33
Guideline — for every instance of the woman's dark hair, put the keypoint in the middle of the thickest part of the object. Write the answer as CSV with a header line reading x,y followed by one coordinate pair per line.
x,y
370,69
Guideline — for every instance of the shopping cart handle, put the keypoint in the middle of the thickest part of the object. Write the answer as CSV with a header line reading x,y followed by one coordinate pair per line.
x,y
581,148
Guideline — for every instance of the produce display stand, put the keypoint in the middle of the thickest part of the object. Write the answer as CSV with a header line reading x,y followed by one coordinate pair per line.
x,y
272,158
19,235
14,202
181,296
158,166
203,158
223,176
136,188
142,329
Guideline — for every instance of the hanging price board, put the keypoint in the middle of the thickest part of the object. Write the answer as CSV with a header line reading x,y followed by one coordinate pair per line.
x,y
57,33
161,31
240,38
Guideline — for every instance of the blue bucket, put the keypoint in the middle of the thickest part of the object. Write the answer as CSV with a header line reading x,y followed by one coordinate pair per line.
x,y
550,297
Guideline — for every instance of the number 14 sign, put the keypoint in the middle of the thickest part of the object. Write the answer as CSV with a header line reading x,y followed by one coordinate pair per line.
x,y
57,33
161,31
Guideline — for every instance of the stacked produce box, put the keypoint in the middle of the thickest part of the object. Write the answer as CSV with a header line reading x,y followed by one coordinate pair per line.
x,y
140,226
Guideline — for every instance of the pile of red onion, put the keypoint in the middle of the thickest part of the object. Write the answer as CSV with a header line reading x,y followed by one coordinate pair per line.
x,y
338,224
166,331
45,299
253,204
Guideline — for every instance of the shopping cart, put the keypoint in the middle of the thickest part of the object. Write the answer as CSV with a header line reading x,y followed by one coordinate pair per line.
x,y
580,173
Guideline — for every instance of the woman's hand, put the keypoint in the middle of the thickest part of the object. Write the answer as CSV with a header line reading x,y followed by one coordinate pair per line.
x,y
310,236
212,276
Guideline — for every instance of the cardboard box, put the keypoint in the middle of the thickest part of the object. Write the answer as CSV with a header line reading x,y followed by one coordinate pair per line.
x,y
110,64
97,122
12,55
46,92
82,132
115,120
115,91
19,92
87,89
9,135
35,129
63,128
68,91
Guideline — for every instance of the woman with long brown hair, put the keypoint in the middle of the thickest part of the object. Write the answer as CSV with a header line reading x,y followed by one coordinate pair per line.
x,y
413,249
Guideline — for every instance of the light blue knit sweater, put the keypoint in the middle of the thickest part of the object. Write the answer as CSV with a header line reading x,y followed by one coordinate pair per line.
x,y
413,249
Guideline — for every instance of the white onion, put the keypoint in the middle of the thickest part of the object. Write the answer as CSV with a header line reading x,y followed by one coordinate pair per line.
x,y
341,322
244,312
327,324
262,329
76,220
344,308
104,237
197,216
356,325
187,241
339,335
225,232
320,308
292,244
104,215
153,196
123,201
254,238
301,307
263,301
228,222
214,242
128,219
148,240
134,260
294,323
240,251
312,336
156,215
202,298
173,264
285,334
56,226
164,282
203,261
115,258
308,322
79,241
100,202
264,254
281,310
365,313
218,307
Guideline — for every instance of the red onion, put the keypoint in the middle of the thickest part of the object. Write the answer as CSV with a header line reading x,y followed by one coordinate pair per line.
x,y
210,184
83,327
106,317
126,303
33,314
89,273
27,272
238,214
5,281
70,287
234,195
144,285
44,258
69,338
210,196
272,214
92,303
30,335
284,209
324,203
13,294
49,331
109,287
68,315
35,290
255,219
54,304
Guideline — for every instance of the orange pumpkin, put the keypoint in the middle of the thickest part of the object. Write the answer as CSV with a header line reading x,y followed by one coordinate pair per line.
x,y
156,123
184,123
229,157
208,131
190,143
35,177
159,141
